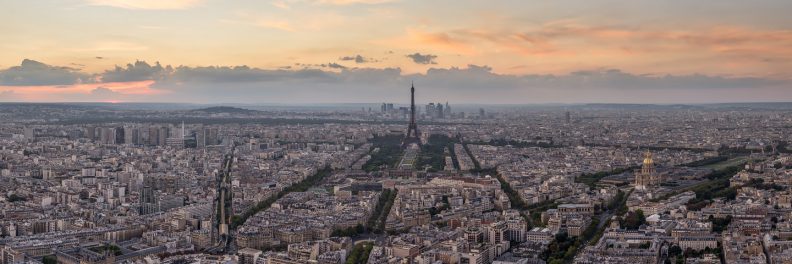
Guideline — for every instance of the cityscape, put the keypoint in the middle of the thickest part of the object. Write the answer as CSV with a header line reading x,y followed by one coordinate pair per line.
x,y
577,143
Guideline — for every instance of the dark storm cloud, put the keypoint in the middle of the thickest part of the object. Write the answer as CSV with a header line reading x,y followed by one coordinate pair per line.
x,y
32,73
423,58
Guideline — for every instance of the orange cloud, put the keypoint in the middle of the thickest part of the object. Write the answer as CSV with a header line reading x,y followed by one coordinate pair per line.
x,y
352,2
442,40
147,4
736,51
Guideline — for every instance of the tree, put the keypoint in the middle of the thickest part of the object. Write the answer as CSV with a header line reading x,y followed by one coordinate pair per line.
x,y
360,253
561,237
49,260
84,195
633,220
674,250
720,224
570,253
16,198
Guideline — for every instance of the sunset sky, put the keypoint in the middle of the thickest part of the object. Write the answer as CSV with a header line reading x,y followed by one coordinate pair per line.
x,y
345,51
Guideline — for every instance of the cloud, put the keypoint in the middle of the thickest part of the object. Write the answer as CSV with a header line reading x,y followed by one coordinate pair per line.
x,y
357,58
100,94
721,49
447,40
9,96
473,83
147,4
333,82
423,58
139,71
242,74
472,77
111,46
280,4
275,24
104,92
353,2
31,72
334,65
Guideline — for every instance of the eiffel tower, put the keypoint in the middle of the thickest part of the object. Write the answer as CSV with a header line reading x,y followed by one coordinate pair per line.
x,y
412,129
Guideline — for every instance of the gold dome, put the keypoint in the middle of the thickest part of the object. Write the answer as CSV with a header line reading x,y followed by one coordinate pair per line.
x,y
648,158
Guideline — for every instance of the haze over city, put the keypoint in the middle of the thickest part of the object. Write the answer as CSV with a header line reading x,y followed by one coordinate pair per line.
x,y
363,51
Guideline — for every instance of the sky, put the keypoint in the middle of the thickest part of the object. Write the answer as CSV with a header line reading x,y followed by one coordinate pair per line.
x,y
352,51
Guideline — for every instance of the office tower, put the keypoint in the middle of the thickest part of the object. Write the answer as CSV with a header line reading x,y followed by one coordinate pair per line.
x,y
148,198
129,134
200,137
429,110
107,135
163,135
119,135
90,132
212,136
153,136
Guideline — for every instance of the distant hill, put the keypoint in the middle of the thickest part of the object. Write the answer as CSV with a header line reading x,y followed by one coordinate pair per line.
x,y
225,110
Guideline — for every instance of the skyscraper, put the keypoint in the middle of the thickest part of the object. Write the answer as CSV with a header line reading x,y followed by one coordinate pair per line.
x,y
435,111
90,132
119,135
429,110
148,198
